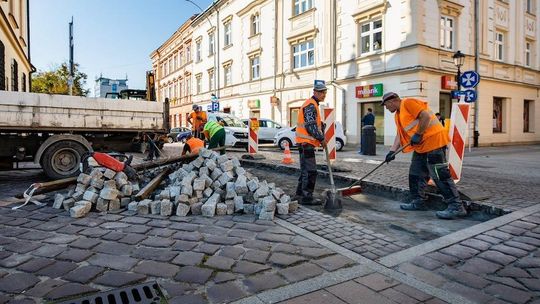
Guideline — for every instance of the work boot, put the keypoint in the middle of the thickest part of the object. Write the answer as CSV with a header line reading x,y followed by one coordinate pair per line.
x,y
309,200
415,205
452,211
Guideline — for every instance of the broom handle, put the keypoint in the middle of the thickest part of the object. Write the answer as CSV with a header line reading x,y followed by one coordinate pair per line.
x,y
378,166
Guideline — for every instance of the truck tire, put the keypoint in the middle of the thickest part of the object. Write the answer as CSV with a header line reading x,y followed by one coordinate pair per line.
x,y
62,159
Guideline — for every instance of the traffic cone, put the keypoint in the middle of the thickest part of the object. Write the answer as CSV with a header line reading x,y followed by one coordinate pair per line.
x,y
287,159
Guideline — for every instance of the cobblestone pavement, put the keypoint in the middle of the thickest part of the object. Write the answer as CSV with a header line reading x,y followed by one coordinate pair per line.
x,y
46,254
508,190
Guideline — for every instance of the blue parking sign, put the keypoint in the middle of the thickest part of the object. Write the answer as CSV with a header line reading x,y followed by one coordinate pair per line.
x,y
215,106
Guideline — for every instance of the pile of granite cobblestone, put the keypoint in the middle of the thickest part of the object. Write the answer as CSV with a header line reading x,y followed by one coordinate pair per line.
x,y
210,185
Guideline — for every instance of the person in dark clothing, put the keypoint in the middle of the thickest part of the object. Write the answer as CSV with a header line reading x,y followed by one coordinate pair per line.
x,y
440,118
367,120
152,146
309,135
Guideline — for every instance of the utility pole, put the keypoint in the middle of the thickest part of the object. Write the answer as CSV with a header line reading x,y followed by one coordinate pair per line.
x,y
71,64
476,133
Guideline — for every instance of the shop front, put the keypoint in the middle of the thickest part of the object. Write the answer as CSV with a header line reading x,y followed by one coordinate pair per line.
x,y
369,97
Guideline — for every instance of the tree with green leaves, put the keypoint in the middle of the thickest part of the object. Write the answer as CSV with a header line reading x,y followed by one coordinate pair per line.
x,y
56,81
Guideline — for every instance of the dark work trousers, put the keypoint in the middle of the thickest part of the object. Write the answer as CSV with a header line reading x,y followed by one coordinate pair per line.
x,y
432,164
308,172
152,150
218,140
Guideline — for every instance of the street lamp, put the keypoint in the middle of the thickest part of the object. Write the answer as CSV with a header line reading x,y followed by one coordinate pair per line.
x,y
216,49
459,59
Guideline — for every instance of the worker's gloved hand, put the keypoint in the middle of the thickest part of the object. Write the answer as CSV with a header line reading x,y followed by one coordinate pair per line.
x,y
390,156
416,139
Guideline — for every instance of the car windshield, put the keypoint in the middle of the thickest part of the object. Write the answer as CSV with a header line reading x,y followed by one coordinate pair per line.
x,y
231,121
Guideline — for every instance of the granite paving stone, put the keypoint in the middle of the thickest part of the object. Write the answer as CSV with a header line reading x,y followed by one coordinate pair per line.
x,y
188,258
35,264
506,281
427,263
422,274
222,240
282,259
157,242
156,269
476,244
528,240
193,274
70,229
209,249
114,225
114,248
12,231
173,288
286,248
74,255
497,257
249,268
262,282
514,272
301,272
36,235
62,239
142,229
111,261
188,236
224,293
118,279
94,232
213,230
159,223
520,245
21,246
219,262
157,254
222,277
273,237
69,289
257,256
531,283
318,297
113,236
232,252
244,234
460,251
351,292
132,238
188,299
57,269
413,292
334,262
17,282
257,244
528,262
184,245
43,288
512,251
510,229
49,251
135,220
443,258
315,252
377,281
85,243
508,293
14,260
466,278
88,222
184,226
83,274
250,227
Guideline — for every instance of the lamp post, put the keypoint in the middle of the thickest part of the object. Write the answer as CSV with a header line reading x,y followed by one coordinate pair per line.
x,y
216,39
459,59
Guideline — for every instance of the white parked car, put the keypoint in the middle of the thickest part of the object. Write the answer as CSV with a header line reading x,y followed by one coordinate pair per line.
x,y
235,130
267,130
288,135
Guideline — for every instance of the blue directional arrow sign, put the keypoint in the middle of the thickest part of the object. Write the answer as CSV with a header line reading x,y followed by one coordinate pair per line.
x,y
456,94
469,79
470,95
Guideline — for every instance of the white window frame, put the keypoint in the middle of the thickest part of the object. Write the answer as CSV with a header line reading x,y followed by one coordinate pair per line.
x,y
255,67
188,53
227,34
170,65
529,6
301,6
499,46
211,43
371,34
300,53
447,30
227,75
198,51
199,84
255,24
528,53
188,87
211,81
176,65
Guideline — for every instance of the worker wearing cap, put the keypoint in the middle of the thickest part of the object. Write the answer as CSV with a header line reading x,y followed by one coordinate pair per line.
x,y
215,133
417,125
192,145
309,135
197,119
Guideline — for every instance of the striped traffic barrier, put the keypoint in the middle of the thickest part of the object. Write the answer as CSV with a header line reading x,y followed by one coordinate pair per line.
x,y
253,141
459,132
330,132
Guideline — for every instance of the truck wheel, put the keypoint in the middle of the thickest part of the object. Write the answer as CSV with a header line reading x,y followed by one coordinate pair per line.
x,y
62,159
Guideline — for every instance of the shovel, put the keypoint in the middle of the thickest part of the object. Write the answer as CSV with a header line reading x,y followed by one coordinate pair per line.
x,y
332,202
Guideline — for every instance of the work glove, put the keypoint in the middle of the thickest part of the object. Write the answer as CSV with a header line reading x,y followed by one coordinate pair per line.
x,y
416,139
390,156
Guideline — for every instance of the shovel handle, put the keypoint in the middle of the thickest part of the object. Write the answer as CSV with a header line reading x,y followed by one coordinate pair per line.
x,y
378,166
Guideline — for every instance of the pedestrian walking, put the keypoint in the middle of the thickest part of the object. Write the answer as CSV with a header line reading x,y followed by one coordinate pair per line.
x,y
192,145
367,120
309,135
152,141
197,119
440,118
215,133
417,125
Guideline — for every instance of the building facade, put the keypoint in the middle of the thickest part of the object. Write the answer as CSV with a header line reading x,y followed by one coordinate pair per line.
x,y
15,66
172,63
260,57
104,86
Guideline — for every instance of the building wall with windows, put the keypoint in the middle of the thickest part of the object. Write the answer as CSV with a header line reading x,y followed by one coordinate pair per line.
x,y
172,65
15,66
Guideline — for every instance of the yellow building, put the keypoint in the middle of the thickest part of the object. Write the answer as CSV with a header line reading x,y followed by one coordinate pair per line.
x,y
15,66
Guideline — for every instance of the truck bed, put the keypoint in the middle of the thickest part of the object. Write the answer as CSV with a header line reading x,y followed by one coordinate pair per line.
x,y
21,111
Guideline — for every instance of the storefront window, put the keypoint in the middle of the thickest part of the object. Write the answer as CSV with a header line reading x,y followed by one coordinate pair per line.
x,y
378,111
497,115
528,115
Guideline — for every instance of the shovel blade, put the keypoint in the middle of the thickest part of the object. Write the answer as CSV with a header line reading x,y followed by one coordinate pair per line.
x,y
332,202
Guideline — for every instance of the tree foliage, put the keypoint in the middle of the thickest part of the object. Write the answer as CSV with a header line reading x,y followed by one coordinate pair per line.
x,y
56,81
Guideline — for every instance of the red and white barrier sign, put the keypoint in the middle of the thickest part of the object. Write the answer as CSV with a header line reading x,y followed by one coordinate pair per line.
x,y
459,132
253,136
330,132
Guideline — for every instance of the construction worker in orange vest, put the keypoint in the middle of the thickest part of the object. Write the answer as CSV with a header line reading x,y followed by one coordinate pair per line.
x,y
309,135
197,119
192,145
417,125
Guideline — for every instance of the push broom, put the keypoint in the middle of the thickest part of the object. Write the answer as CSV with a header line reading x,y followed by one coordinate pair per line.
x,y
353,189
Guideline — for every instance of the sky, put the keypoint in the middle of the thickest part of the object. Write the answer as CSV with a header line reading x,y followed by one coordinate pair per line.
x,y
113,38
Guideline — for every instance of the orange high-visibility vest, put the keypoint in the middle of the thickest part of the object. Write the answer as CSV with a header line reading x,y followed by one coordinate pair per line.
x,y
434,136
302,135
194,145
197,120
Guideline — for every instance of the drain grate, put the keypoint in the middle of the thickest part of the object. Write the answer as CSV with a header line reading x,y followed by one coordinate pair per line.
x,y
145,293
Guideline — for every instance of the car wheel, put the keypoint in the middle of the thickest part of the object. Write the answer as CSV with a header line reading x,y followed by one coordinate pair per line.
x,y
339,144
282,143
170,140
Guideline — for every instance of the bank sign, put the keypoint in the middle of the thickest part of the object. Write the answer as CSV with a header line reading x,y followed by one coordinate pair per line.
x,y
374,90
